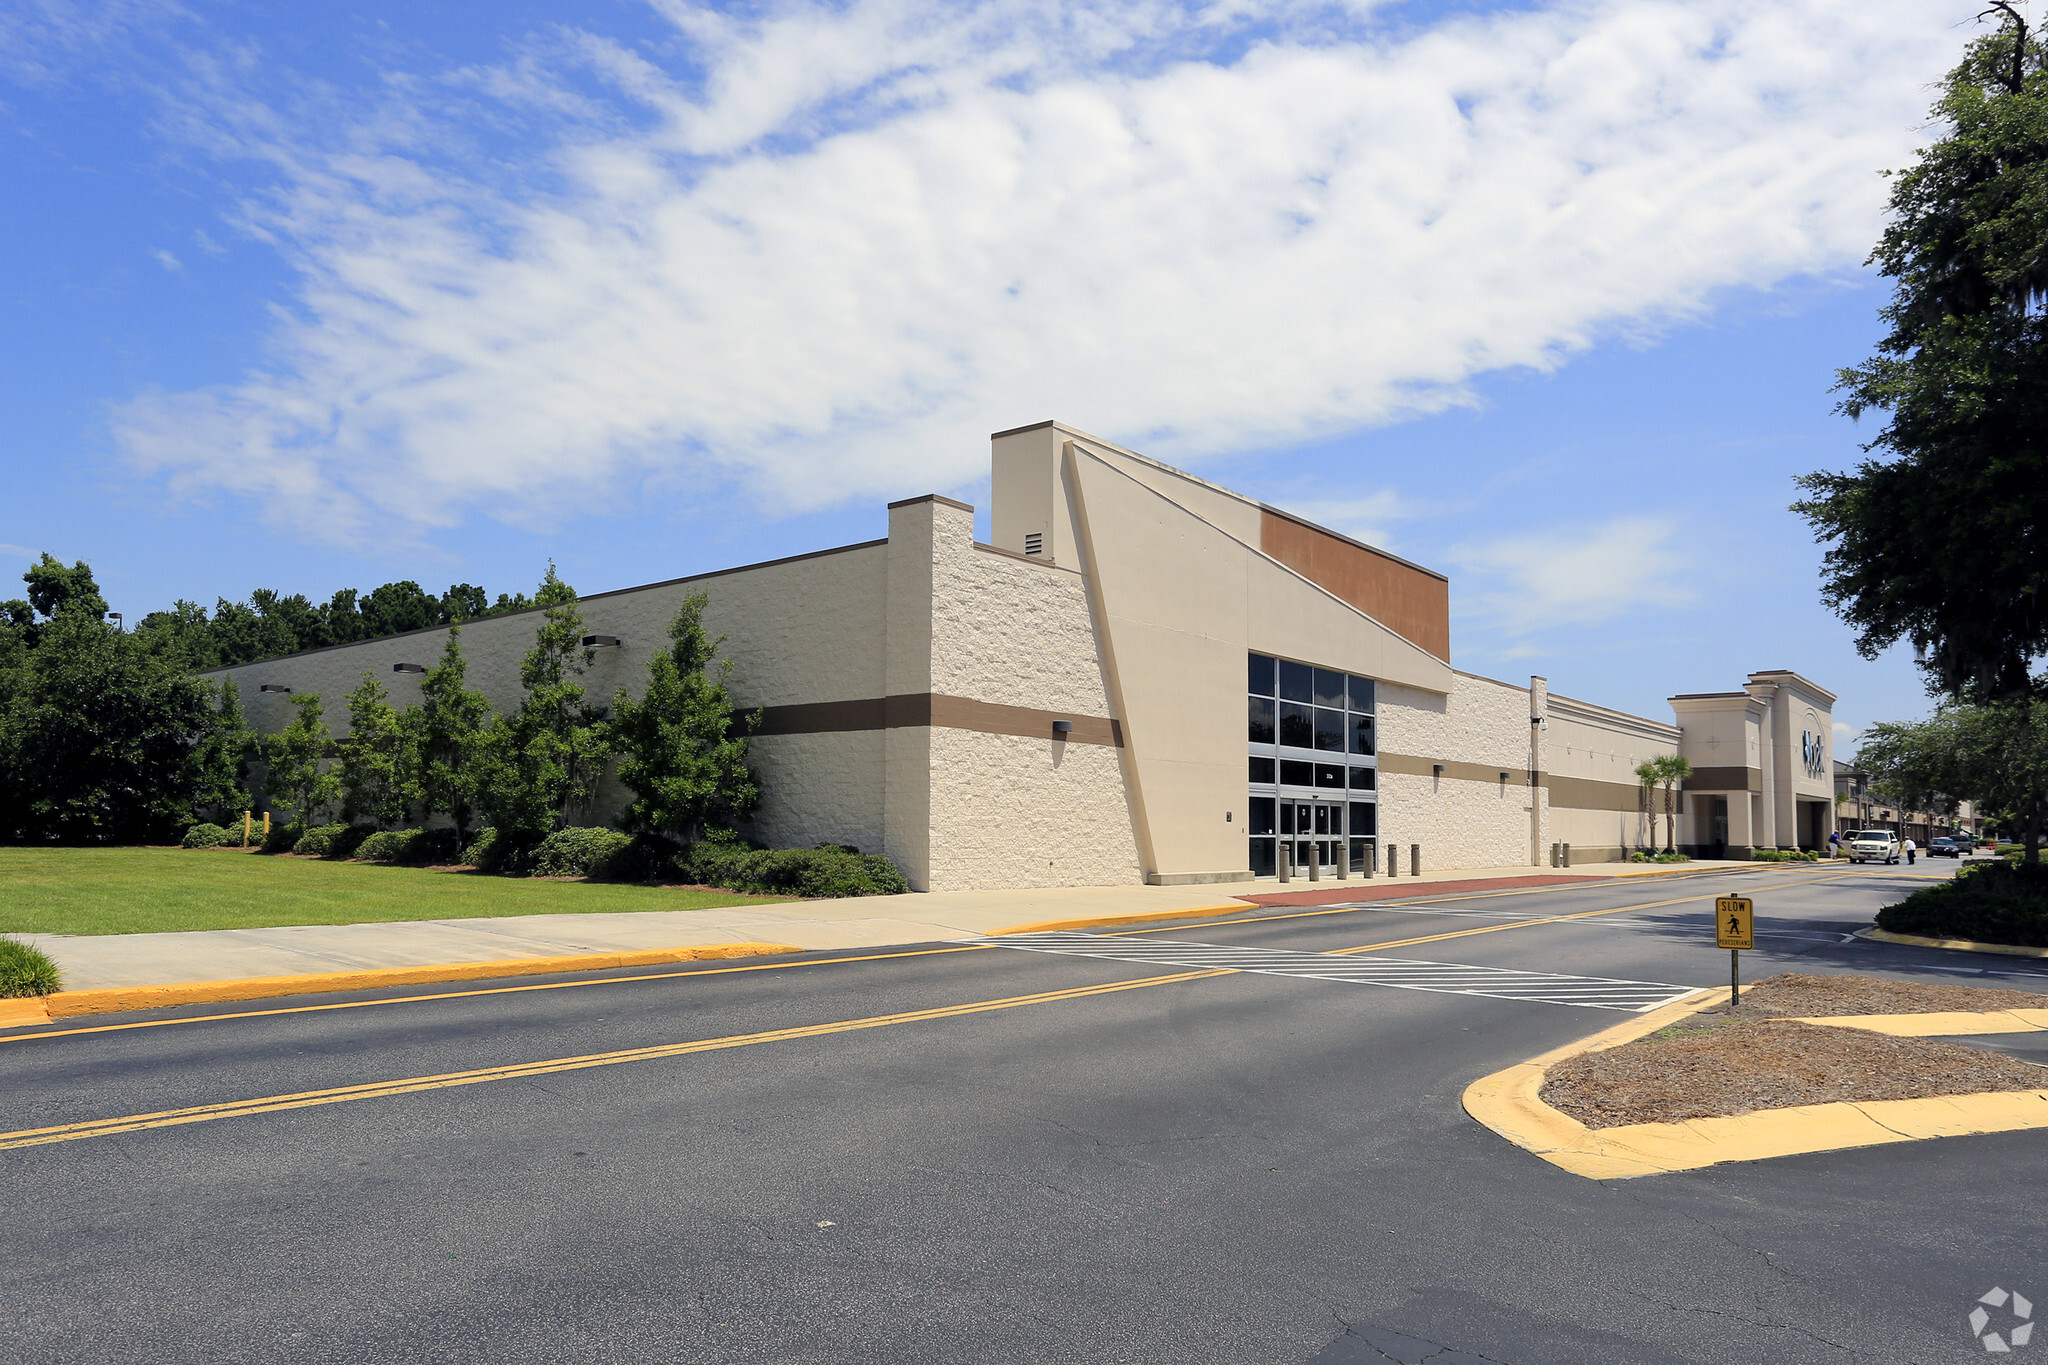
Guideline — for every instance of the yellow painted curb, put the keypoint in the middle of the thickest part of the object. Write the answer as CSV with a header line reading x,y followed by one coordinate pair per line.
x,y
1510,1103
65,1004
1103,921
1940,1025
28,1009
1961,945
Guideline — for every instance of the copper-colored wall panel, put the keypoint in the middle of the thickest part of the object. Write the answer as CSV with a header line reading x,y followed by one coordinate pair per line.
x,y
1414,604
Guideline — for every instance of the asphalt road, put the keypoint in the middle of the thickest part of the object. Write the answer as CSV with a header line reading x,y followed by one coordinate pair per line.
x,y
1049,1160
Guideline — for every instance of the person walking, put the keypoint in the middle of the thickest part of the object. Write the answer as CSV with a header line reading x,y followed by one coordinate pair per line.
x,y
1911,848
1834,845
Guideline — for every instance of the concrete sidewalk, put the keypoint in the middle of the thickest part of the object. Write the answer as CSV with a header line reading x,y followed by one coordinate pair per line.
x,y
93,962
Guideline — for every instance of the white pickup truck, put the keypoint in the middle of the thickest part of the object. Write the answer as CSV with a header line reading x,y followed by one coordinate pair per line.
x,y
1881,844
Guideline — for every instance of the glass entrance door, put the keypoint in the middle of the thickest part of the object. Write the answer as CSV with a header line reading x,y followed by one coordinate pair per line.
x,y
1315,829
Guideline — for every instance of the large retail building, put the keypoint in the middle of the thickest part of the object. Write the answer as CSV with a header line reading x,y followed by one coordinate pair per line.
x,y
1148,677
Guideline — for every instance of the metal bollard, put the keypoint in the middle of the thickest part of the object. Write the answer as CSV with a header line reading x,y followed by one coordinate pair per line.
x,y
1393,860
1343,848
1286,860
1415,860
1315,862
1372,859
1553,855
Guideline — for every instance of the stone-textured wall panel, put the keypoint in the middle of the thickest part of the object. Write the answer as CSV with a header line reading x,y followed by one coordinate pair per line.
x,y
1016,633
819,789
1008,810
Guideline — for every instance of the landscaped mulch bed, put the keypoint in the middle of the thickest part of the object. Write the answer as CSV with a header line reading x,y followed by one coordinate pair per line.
x,y
1816,997
1719,1063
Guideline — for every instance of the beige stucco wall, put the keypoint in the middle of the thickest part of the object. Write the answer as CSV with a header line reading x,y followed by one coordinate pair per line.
x,y
1587,743
804,630
1000,810
1460,819
1178,602
1016,810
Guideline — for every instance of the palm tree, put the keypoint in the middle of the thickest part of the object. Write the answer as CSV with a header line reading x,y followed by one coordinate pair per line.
x,y
1672,770
1648,775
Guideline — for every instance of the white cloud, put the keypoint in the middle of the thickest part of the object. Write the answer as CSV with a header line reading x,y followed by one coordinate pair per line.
x,y
1575,576
167,260
831,252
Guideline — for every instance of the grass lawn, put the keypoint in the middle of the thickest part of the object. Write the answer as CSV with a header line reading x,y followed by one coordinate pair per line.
x,y
149,890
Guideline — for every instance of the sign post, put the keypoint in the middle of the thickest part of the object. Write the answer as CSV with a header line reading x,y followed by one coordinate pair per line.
x,y
1735,930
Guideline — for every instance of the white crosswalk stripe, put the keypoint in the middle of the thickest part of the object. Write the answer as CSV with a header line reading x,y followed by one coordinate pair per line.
x,y
1408,974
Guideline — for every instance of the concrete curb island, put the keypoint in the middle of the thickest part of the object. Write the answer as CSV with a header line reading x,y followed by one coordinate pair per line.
x,y
1510,1103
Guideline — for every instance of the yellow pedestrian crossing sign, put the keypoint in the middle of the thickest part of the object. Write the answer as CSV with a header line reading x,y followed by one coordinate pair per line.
x,y
1734,922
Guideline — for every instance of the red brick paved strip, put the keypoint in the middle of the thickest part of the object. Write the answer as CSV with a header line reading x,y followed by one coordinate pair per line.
x,y
1392,888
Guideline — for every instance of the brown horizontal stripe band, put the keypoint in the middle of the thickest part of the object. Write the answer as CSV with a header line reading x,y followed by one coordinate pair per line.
x,y
1725,780
1571,793
937,710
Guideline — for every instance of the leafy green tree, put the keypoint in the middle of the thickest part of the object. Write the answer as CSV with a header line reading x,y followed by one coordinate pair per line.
x,y
1994,755
1943,539
682,749
182,634
301,778
54,590
101,742
221,759
545,760
377,764
464,602
399,607
449,725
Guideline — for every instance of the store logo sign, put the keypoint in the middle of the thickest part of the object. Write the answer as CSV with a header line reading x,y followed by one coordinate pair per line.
x,y
1813,754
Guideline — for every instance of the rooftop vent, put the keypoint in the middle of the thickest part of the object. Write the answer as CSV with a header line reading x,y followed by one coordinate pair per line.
x,y
275,687
408,668
601,642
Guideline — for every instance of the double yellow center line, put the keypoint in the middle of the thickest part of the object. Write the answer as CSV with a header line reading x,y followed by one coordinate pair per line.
x,y
169,1118
306,1099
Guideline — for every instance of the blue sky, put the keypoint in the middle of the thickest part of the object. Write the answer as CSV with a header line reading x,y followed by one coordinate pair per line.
x,y
1548,297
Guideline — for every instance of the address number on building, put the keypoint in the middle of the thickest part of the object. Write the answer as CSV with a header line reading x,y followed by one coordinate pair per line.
x,y
1734,922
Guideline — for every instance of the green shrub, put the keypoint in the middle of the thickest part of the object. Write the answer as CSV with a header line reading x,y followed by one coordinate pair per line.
x,y
28,971
1785,855
481,850
828,870
283,838
645,858
333,841
1640,856
1986,902
206,836
498,850
415,846
589,851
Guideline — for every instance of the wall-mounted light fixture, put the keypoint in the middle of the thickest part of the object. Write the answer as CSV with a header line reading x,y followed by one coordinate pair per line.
x,y
1503,777
601,642
408,668
1439,768
1062,727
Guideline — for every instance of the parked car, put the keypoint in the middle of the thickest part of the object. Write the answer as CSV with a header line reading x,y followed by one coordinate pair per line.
x,y
1945,848
1880,845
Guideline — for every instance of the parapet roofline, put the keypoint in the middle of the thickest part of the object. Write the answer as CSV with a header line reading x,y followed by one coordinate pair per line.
x,y
1781,674
528,611
1213,486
